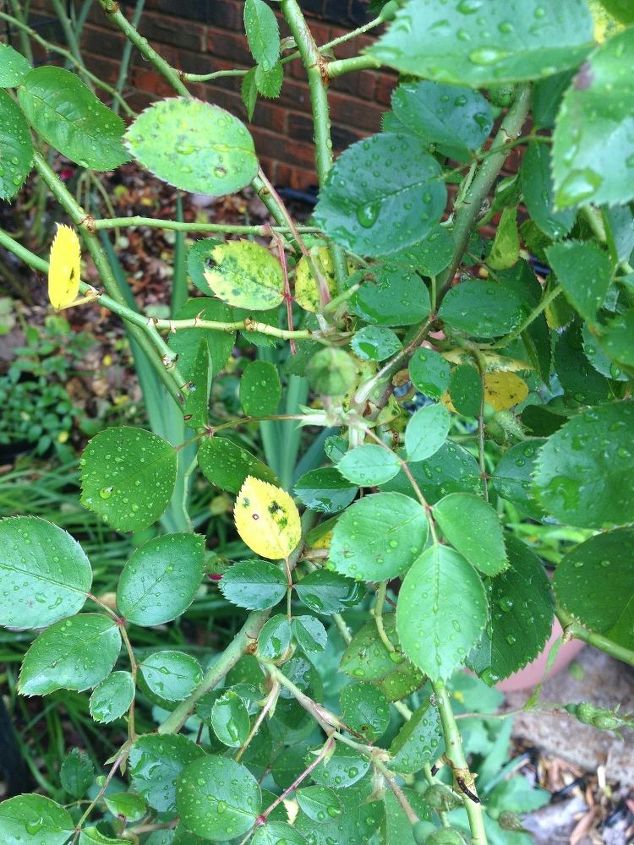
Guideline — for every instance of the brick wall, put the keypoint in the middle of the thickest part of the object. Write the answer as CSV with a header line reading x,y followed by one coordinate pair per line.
x,y
200,36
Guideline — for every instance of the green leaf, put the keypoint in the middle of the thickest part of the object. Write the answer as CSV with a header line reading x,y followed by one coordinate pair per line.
x,y
482,309
521,612
366,710
473,528
512,478
230,719
580,380
342,769
391,294
74,654
584,271
245,274
620,9
194,146
262,31
593,148
155,763
127,805
378,537
368,465
187,341
275,638
451,470
595,583
324,490
328,592
441,611
274,833
505,251
465,390
227,465
76,773
375,343
44,571
199,259
476,43
429,256
254,584
366,658
13,67
537,187
17,146
260,389
357,823
112,698
419,741
69,117
269,82
35,820
585,472
455,120
161,578
319,803
426,432
127,477
309,633
331,371
249,92
218,798
429,372
382,194
171,675
617,339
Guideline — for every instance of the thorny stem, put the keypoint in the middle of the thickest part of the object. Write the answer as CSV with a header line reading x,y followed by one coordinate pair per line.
x,y
195,226
468,212
318,90
245,640
123,753
270,702
574,630
111,8
246,325
456,757
325,750
534,314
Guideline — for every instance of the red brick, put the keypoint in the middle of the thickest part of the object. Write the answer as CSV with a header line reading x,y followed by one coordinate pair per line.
x,y
228,45
161,29
350,111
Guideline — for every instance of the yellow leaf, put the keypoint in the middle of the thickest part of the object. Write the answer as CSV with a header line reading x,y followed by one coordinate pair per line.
x,y
502,390
306,294
64,267
267,519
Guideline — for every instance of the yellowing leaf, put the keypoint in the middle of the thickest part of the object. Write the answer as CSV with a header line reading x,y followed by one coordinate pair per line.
x,y
246,275
267,519
502,390
64,267
306,293
605,26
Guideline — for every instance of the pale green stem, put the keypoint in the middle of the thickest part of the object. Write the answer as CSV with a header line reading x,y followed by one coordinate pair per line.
x,y
183,226
456,757
575,630
356,63
534,314
170,74
315,68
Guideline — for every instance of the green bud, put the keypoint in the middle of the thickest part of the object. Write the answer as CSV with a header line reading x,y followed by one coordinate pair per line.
x,y
421,832
388,12
440,798
446,836
502,95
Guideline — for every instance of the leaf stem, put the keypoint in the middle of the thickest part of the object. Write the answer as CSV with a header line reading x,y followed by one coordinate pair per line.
x,y
456,757
575,630
170,74
468,212
318,89
195,226
377,612
534,314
